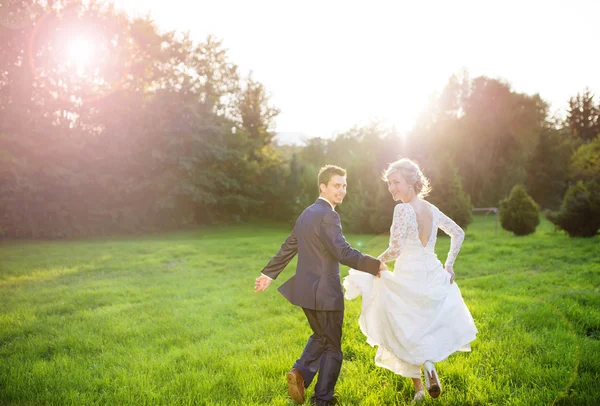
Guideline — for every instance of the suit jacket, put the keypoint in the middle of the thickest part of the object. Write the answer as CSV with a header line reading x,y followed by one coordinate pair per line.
x,y
318,240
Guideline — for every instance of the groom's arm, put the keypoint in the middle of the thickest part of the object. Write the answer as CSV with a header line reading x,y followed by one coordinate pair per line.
x,y
334,240
288,250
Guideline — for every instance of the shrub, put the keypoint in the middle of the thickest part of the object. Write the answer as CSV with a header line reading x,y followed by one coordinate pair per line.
x,y
519,213
579,215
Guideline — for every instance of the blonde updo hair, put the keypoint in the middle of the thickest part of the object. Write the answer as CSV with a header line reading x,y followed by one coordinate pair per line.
x,y
411,172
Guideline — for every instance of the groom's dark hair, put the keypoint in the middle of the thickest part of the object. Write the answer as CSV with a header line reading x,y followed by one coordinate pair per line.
x,y
327,172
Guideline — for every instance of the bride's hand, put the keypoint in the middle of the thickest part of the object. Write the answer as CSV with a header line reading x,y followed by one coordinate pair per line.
x,y
451,272
382,267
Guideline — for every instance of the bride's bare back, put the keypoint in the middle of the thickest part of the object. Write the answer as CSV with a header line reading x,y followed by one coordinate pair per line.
x,y
424,220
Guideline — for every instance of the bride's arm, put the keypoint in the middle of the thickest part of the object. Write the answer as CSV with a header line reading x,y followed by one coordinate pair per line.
x,y
397,234
457,236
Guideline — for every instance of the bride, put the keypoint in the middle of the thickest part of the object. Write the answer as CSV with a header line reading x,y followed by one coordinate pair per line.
x,y
415,314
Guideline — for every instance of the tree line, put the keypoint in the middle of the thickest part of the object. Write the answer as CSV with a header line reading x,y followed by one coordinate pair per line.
x,y
163,132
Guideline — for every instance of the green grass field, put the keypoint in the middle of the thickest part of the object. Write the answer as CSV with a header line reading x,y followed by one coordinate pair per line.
x,y
172,319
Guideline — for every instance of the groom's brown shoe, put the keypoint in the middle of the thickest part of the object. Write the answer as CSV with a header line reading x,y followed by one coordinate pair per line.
x,y
296,385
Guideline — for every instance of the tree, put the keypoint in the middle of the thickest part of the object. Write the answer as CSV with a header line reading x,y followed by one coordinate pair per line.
x,y
486,129
500,129
585,162
150,136
448,194
256,115
583,116
362,152
546,177
293,187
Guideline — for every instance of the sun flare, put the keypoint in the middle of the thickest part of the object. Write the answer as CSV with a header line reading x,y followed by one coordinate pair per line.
x,y
80,53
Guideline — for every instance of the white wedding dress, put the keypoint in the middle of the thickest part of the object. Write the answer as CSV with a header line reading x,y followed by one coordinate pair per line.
x,y
413,314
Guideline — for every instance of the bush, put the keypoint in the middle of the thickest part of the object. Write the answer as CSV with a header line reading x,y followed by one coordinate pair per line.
x,y
579,215
519,213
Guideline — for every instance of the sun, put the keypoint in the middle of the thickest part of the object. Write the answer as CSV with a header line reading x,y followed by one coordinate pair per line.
x,y
80,53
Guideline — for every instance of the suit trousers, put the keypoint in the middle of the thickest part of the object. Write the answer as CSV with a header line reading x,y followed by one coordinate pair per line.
x,y
323,351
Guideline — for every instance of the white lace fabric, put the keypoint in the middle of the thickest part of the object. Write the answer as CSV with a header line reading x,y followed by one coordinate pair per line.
x,y
404,234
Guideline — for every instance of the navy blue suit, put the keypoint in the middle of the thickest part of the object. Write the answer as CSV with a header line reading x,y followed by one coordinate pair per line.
x,y
316,287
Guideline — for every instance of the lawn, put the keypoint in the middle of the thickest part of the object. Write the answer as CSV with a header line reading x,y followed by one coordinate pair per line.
x,y
172,319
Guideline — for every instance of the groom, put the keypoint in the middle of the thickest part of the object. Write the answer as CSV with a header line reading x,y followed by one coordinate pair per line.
x,y
317,238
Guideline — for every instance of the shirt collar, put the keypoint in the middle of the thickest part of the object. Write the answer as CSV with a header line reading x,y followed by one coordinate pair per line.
x,y
328,202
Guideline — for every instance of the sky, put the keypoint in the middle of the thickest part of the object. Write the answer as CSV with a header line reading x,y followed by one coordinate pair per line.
x,y
331,65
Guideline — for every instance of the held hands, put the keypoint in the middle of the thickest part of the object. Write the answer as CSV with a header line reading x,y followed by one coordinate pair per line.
x,y
451,272
382,267
261,283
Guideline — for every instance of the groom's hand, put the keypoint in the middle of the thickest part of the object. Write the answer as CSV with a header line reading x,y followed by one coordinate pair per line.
x,y
261,283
